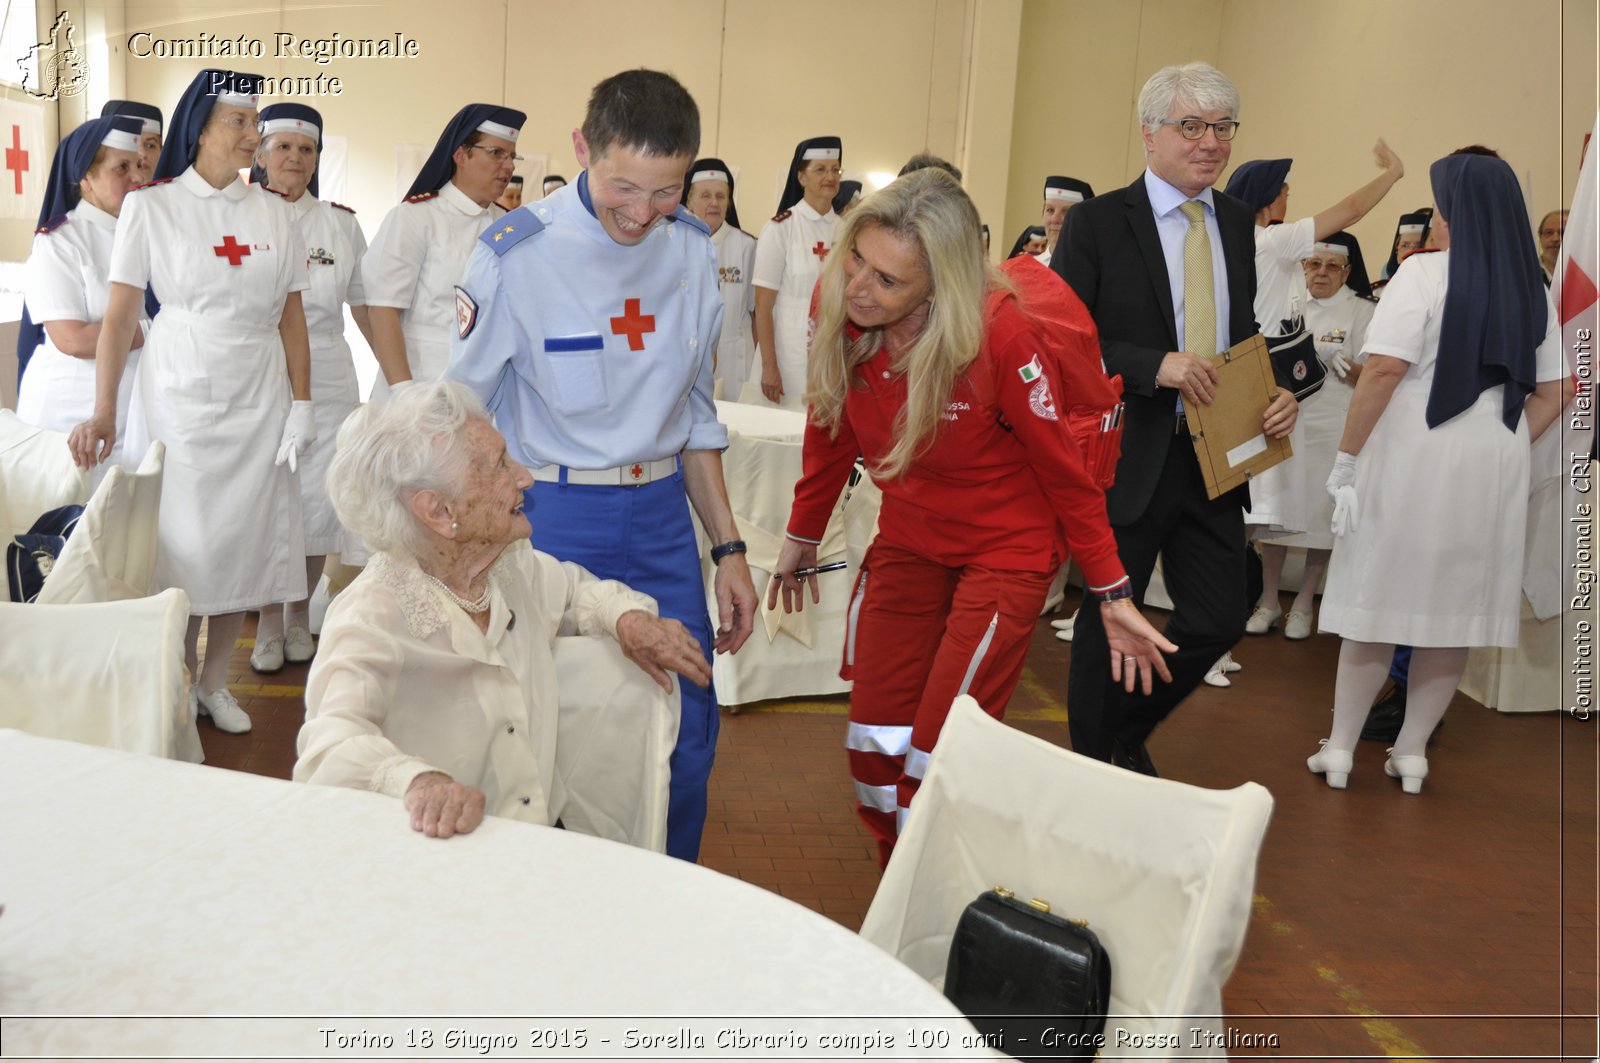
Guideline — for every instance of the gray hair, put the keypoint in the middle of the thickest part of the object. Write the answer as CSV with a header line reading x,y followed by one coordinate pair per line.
x,y
390,451
1199,85
267,141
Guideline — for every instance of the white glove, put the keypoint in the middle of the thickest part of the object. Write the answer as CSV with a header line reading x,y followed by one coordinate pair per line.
x,y
1341,485
1338,363
299,432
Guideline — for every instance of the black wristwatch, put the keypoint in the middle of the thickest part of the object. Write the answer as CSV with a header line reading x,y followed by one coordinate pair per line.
x,y
732,546
1117,593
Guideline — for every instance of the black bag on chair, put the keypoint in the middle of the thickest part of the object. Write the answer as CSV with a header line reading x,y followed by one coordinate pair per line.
x,y
31,555
1294,358
1016,971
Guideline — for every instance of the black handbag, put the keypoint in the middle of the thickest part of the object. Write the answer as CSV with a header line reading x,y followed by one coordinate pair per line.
x,y
31,555
1034,984
1294,359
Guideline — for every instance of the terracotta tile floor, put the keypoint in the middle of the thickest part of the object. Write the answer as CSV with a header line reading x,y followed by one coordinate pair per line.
x,y
1461,924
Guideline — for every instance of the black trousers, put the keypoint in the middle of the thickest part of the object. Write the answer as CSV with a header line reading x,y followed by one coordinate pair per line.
x,y
1202,546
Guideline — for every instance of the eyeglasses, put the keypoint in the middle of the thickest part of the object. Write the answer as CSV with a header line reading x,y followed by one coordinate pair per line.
x,y
497,154
1318,265
235,122
1195,128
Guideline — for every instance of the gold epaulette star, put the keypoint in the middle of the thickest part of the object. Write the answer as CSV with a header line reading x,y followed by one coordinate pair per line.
x,y
501,234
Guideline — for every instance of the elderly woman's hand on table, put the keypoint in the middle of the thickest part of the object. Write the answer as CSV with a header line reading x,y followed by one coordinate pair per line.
x,y
660,646
439,806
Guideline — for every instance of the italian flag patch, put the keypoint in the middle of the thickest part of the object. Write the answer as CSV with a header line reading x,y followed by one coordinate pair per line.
x,y
1032,371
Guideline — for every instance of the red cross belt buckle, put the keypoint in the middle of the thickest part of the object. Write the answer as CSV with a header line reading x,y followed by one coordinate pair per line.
x,y
636,471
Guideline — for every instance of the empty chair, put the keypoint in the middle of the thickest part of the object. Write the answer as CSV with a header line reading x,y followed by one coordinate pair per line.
x,y
111,555
1162,871
614,736
107,674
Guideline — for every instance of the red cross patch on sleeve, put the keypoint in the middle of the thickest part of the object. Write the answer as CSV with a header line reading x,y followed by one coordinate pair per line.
x,y
466,313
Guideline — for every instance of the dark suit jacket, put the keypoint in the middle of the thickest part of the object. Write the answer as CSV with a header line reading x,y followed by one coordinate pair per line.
x,y
1111,255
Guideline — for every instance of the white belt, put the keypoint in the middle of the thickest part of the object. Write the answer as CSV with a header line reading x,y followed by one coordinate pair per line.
x,y
632,475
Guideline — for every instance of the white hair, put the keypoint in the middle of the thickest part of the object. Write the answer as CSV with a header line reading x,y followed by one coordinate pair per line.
x,y
272,138
1198,85
388,452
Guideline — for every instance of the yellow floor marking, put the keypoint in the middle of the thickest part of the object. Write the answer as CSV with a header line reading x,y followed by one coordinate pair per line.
x,y
266,690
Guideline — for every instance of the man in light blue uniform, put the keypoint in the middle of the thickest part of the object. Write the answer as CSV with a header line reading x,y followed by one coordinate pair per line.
x,y
586,322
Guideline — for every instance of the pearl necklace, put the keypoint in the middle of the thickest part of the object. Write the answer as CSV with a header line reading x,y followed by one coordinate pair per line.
x,y
480,604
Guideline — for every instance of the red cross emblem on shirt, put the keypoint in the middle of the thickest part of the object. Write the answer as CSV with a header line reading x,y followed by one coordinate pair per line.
x,y
232,250
16,158
821,250
633,324
636,471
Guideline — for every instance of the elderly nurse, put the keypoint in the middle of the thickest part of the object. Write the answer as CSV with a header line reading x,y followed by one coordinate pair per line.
x,y
286,163
225,380
421,249
67,284
435,681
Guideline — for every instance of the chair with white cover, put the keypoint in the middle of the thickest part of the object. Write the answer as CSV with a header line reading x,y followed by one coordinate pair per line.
x,y
107,674
1163,872
614,737
111,554
36,475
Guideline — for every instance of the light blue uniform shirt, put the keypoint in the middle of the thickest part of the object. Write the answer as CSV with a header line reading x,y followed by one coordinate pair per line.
x,y
589,353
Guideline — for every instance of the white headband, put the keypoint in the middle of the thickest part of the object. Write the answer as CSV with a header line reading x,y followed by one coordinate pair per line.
x,y
236,99
1331,249
291,125
1063,193
151,125
121,140
710,175
820,153
495,129
1412,229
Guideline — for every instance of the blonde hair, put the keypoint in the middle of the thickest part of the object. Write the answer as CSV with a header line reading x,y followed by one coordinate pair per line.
x,y
928,209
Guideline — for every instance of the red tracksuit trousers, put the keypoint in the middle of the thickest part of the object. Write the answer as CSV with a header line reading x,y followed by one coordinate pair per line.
x,y
919,634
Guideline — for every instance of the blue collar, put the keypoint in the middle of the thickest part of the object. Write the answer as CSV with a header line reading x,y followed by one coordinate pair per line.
x,y
583,194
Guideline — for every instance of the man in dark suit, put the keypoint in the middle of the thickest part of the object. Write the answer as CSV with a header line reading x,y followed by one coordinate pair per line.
x,y
1167,268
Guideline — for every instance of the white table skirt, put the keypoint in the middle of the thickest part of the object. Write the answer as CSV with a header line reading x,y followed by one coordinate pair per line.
x,y
135,886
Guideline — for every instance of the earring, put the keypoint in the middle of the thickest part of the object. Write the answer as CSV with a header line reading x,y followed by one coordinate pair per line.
x,y
454,527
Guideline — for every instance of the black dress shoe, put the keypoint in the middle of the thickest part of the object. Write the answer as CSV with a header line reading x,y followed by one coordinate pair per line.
x,y
1388,715
1133,758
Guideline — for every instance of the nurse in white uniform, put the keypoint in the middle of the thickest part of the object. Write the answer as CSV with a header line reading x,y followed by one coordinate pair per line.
x,y
151,122
225,380
789,257
409,274
67,285
709,197
1464,367
286,163
1337,312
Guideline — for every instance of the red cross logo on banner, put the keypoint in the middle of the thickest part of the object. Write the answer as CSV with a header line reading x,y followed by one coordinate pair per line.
x,y
16,158
232,250
821,250
633,324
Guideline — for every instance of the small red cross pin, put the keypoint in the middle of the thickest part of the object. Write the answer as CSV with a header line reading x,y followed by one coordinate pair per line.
x,y
636,471
821,250
232,250
633,324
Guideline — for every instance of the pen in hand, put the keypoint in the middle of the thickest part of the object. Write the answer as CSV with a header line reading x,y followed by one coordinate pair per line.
x,y
835,566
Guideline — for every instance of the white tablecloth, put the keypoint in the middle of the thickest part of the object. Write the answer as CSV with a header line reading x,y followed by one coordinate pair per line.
x,y
135,886
799,654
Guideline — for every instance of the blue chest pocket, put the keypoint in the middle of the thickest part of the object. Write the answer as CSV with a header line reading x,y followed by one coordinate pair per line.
x,y
576,373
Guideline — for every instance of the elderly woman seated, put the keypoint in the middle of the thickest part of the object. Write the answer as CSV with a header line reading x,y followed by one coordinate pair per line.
x,y
434,681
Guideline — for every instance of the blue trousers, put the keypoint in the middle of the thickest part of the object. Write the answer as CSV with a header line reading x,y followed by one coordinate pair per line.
x,y
1400,670
644,537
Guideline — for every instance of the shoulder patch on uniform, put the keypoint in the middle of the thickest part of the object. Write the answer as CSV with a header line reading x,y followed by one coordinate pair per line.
x,y
423,197
1369,297
466,312
52,224
1032,371
684,214
152,184
782,216
340,206
511,229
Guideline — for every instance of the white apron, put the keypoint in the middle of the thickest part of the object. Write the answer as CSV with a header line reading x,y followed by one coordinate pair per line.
x,y
790,264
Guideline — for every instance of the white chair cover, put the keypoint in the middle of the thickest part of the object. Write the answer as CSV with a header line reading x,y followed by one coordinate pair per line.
x,y
107,674
1162,871
614,738
111,554
36,475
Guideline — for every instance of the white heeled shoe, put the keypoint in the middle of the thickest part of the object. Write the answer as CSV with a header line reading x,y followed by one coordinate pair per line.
x,y
1064,627
1297,626
1262,620
298,645
1332,764
267,657
1409,770
1217,676
224,711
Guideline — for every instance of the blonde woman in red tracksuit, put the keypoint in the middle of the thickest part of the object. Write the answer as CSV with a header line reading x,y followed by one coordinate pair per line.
x,y
923,362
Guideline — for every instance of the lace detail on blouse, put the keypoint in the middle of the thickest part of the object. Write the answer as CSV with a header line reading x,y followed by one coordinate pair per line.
x,y
425,607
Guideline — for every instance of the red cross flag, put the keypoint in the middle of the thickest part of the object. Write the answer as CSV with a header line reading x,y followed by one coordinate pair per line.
x,y
24,159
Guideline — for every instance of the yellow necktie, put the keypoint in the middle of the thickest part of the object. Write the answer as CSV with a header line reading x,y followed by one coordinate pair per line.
x,y
1199,291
